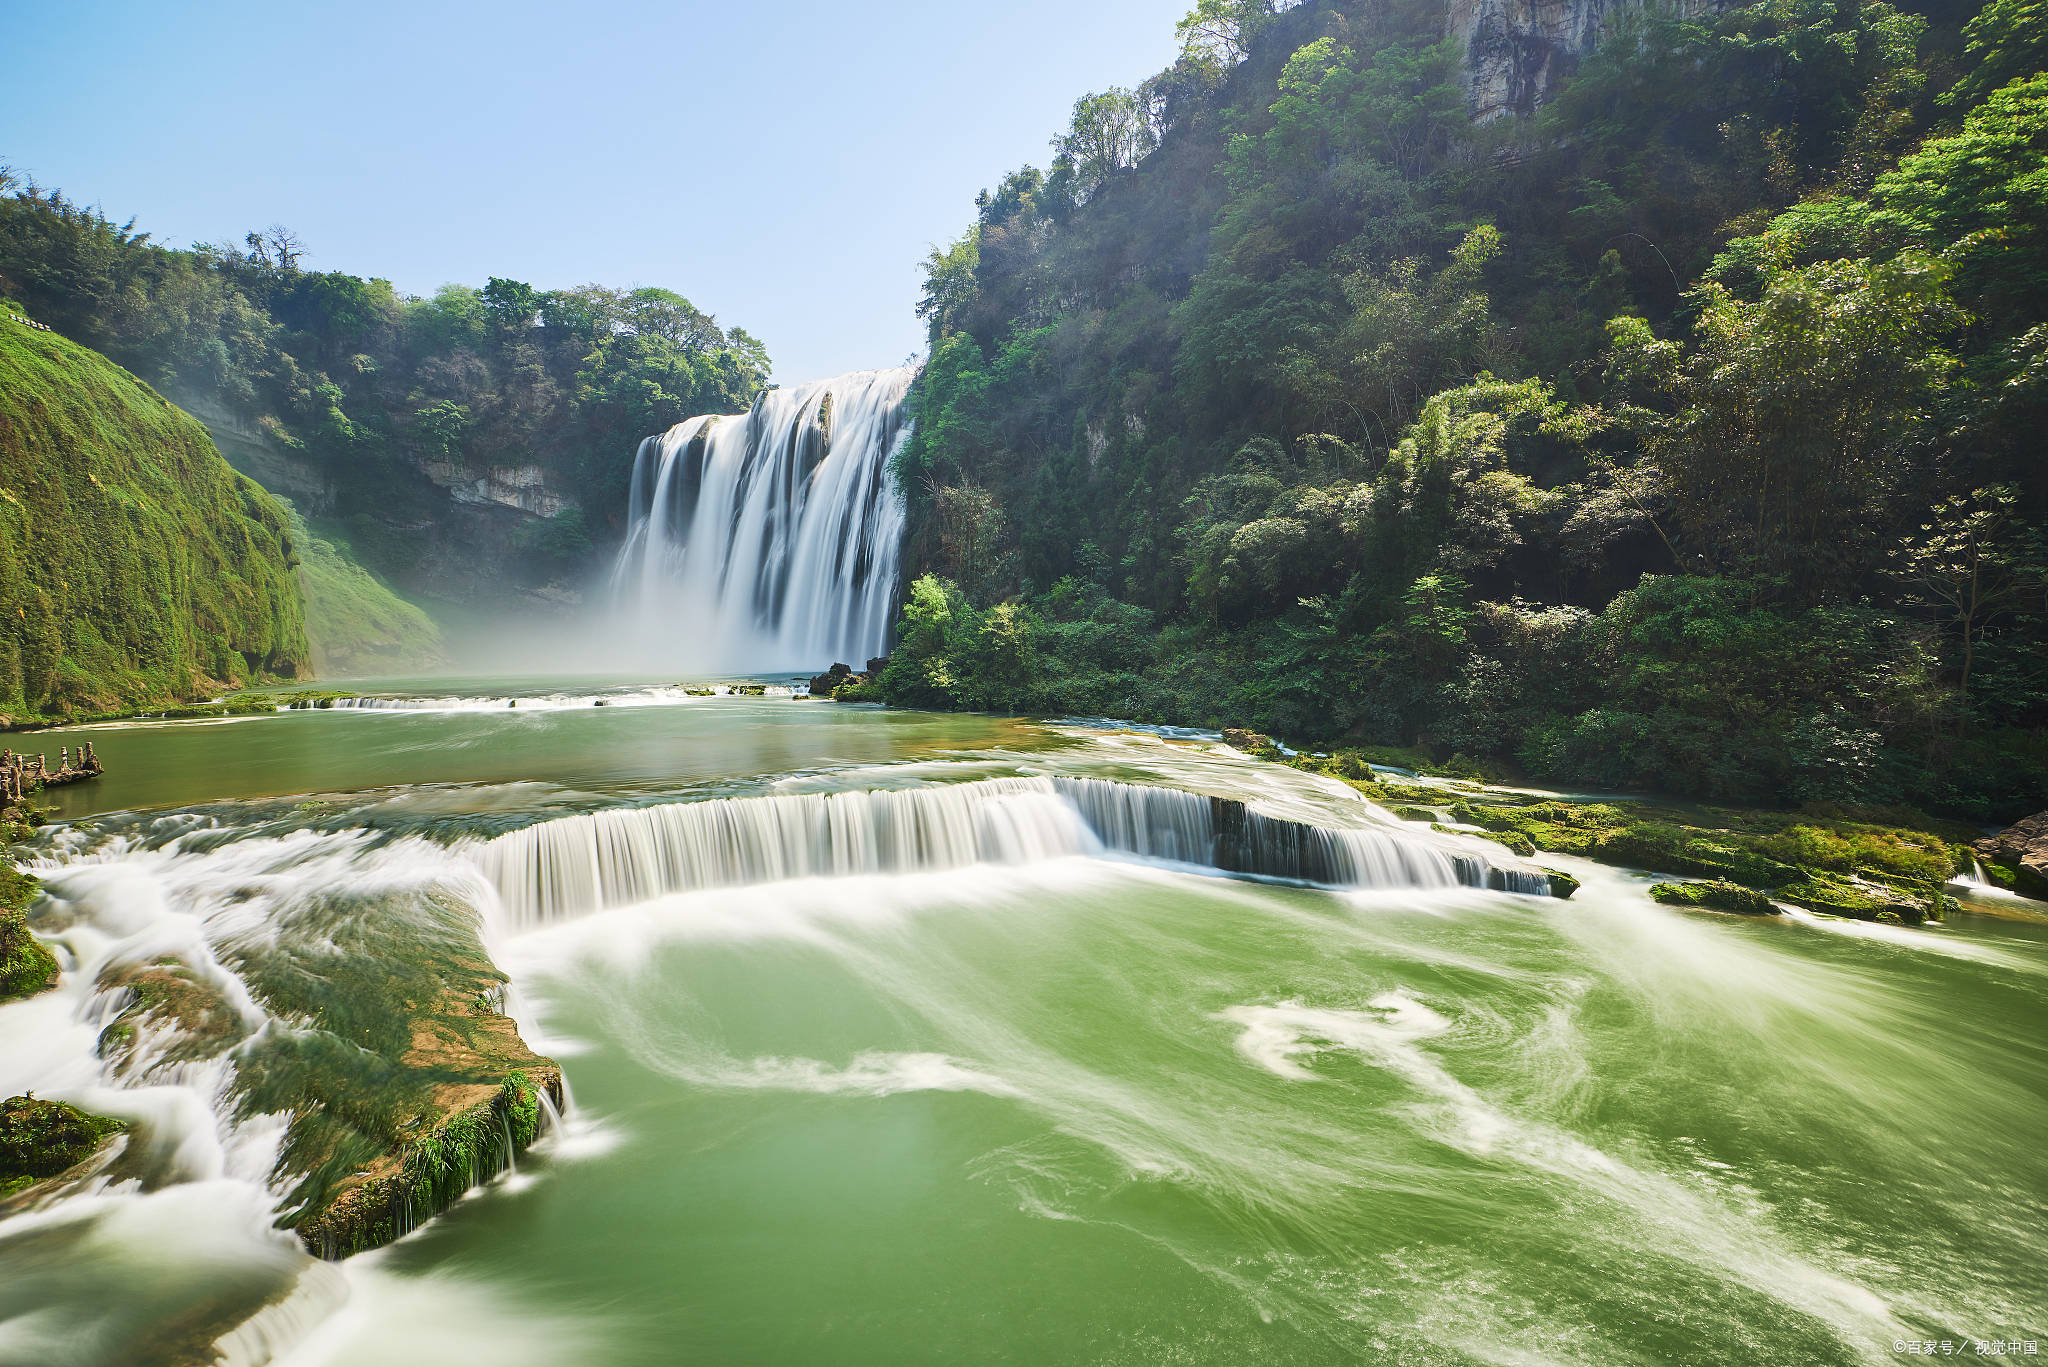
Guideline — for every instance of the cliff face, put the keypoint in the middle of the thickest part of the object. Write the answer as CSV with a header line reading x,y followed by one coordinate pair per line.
x,y
1518,51
443,529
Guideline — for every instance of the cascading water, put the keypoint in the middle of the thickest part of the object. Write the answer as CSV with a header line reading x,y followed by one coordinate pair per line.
x,y
1223,1120
571,865
769,540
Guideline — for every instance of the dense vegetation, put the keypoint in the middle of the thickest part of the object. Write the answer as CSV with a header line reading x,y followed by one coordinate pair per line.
x,y
1684,435
136,567
369,385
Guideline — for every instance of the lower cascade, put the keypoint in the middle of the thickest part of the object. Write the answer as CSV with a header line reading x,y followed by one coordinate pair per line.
x,y
769,540
572,865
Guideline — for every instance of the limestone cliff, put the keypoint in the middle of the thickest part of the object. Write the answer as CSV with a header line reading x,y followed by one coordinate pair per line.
x,y
1518,51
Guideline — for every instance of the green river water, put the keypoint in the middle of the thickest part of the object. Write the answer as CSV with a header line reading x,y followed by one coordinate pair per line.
x,y
1066,1110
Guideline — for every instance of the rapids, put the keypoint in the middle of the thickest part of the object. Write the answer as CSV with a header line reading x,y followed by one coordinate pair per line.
x,y
897,1038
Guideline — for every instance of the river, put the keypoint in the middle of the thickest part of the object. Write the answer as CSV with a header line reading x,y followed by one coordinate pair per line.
x,y
1053,1100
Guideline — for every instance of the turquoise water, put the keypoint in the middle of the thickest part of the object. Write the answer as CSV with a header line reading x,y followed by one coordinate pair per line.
x,y
1106,1111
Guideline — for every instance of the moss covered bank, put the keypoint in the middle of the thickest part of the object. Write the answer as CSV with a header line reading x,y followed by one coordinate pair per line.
x,y
136,567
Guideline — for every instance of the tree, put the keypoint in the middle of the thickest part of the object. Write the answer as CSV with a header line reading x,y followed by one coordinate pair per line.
x,y
2007,40
1784,429
1974,560
1980,198
1217,34
511,304
949,284
1108,135
276,250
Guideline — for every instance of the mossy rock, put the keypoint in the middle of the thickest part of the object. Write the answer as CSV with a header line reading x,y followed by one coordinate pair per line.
x,y
1716,895
1516,841
44,1139
1414,794
466,1148
1836,895
172,995
26,964
1413,814
1562,885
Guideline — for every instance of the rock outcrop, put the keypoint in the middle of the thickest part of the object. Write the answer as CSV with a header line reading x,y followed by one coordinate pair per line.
x,y
2020,851
1518,51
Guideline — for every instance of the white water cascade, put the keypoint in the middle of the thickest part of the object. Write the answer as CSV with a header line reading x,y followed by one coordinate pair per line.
x,y
769,540
558,869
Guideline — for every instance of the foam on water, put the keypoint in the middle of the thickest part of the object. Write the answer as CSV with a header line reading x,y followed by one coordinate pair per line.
x,y
1276,1037
1268,1057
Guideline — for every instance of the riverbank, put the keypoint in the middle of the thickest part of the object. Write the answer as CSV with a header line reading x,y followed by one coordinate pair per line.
x,y
1872,864
1883,864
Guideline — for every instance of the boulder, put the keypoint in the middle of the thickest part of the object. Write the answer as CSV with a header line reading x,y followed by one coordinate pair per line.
x,y
1240,739
823,684
1562,885
2021,849
877,665
1523,878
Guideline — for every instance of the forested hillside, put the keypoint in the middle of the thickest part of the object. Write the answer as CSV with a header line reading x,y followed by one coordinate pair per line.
x,y
136,568
1683,434
384,413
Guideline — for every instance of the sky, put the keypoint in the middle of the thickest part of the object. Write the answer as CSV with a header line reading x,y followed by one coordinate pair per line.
x,y
786,166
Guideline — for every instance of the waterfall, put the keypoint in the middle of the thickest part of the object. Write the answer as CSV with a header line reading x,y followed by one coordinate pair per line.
x,y
769,540
571,865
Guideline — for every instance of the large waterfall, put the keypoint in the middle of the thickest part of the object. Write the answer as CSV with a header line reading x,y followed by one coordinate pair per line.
x,y
769,540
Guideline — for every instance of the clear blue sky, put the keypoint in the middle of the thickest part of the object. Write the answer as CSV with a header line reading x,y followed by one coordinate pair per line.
x,y
786,166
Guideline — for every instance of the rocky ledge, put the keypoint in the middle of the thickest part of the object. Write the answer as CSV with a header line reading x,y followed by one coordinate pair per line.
x,y
405,1082
2017,857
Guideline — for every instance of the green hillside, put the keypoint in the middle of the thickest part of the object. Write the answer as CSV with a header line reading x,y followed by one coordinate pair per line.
x,y
358,624
136,567
1680,434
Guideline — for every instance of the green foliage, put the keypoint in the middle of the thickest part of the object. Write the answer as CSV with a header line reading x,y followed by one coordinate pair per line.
x,y
1682,435
135,566
1980,196
2007,40
349,373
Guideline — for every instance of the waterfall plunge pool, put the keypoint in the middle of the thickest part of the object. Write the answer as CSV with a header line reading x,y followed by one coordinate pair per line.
x,y
1015,1092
